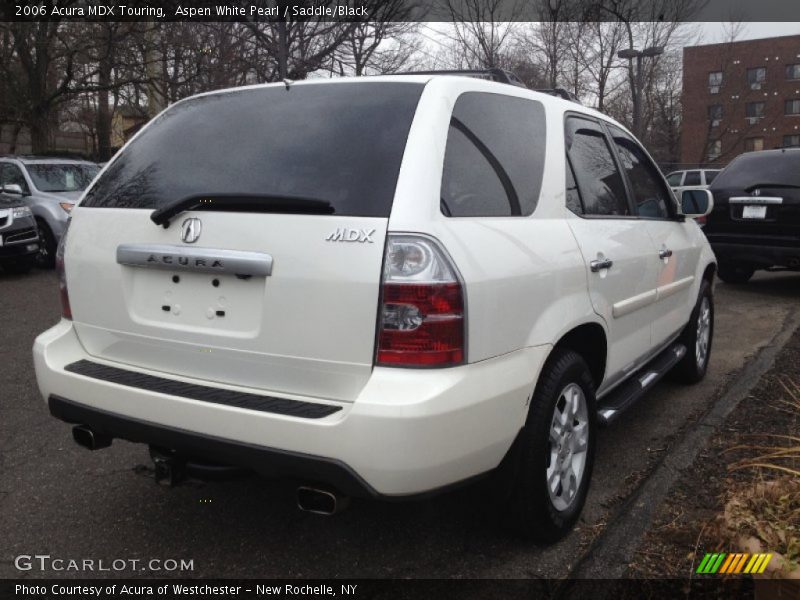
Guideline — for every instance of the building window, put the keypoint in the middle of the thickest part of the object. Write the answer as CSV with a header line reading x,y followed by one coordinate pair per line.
x,y
792,107
755,77
714,81
754,111
714,150
715,114
793,71
753,144
791,141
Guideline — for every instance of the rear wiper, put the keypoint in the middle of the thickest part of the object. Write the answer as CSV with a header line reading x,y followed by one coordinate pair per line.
x,y
242,203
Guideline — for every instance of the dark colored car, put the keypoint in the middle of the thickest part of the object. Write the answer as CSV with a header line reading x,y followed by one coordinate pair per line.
x,y
755,223
19,238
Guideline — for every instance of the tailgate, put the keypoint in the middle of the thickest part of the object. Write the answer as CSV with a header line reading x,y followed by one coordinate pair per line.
x,y
763,211
307,328
275,201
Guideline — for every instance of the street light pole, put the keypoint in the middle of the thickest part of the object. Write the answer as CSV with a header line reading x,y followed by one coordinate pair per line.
x,y
637,81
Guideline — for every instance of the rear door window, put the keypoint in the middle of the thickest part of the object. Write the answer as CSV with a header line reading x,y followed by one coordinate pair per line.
x,y
494,158
692,178
340,143
599,181
650,195
711,176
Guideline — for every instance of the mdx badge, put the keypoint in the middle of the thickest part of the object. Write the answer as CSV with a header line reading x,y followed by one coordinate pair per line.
x,y
344,234
190,230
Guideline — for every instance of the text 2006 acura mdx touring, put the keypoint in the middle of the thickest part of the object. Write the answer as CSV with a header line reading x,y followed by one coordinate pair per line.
x,y
380,287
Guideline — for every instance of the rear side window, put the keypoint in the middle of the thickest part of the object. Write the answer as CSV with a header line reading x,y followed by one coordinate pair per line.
x,y
340,143
650,195
774,167
692,178
711,176
494,159
599,180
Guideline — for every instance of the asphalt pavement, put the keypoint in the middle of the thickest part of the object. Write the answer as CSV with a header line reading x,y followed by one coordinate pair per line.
x,y
60,500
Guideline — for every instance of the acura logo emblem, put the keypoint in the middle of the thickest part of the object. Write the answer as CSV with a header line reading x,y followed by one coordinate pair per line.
x,y
756,192
190,230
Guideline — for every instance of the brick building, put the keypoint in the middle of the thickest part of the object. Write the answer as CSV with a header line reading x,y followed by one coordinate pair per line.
x,y
738,97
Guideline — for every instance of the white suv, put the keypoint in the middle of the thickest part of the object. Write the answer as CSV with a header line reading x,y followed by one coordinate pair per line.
x,y
380,286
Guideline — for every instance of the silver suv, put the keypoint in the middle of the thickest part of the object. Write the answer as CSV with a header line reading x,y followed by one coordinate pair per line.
x,y
49,187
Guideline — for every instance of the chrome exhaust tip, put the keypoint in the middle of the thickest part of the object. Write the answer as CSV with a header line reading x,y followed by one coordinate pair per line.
x,y
320,501
88,438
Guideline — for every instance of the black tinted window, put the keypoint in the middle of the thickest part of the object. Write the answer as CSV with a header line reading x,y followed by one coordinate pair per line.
x,y
494,158
649,193
339,143
711,176
760,168
599,180
692,178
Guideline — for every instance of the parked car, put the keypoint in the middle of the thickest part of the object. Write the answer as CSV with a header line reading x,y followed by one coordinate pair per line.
x,y
19,240
451,278
49,187
756,219
692,179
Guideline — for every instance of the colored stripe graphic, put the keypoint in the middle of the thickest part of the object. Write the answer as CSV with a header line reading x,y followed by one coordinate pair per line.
x,y
763,566
726,565
737,562
740,564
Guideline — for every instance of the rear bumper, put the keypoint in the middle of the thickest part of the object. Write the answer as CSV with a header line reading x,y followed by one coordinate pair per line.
x,y
762,256
409,432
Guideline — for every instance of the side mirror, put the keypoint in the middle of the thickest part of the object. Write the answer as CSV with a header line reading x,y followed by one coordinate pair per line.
x,y
13,188
696,203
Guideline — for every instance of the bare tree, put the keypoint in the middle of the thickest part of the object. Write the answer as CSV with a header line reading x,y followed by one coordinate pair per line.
x,y
482,40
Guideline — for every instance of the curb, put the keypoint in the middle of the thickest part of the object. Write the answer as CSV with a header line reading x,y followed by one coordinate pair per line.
x,y
609,555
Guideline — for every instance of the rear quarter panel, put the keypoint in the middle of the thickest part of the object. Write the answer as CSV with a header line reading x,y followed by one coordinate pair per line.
x,y
525,278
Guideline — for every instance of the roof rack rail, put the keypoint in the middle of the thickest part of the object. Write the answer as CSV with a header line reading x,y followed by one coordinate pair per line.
x,y
560,93
493,74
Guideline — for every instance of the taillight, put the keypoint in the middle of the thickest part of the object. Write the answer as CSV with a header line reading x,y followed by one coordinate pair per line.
x,y
66,311
422,320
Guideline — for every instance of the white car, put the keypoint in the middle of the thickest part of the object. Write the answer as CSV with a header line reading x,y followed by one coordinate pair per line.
x,y
382,286
691,180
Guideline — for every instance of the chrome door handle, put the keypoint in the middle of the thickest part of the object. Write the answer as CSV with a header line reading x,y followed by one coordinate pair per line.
x,y
664,253
597,265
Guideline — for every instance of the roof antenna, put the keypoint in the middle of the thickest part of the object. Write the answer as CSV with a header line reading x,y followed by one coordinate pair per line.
x,y
287,83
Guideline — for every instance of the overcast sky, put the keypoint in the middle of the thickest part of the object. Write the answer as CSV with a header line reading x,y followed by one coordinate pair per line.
x,y
713,33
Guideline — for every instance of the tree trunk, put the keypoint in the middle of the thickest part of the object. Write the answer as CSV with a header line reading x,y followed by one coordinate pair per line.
x,y
103,125
283,51
39,126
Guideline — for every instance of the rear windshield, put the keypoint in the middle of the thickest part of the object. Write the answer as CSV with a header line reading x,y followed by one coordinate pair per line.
x,y
760,169
340,143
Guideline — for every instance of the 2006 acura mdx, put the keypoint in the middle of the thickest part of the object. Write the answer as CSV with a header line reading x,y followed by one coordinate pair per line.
x,y
380,286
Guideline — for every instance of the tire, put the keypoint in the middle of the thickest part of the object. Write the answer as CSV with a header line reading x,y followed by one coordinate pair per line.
x,y
530,509
697,336
18,267
735,274
46,259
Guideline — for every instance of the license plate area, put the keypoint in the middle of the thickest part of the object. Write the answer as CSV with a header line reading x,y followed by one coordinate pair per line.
x,y
754,212
222,304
